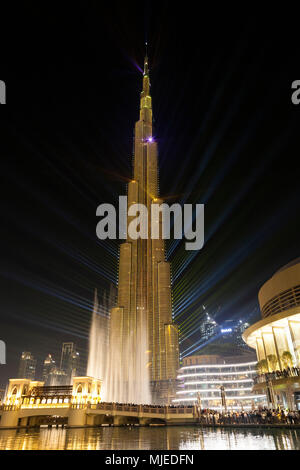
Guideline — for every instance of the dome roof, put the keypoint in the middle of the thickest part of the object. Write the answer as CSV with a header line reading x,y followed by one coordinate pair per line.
x,y
289,265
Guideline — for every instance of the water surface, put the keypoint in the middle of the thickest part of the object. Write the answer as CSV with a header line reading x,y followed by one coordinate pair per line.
x,y
150,438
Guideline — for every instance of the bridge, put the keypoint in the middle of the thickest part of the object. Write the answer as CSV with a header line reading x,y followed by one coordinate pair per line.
x,y
29,403
78,415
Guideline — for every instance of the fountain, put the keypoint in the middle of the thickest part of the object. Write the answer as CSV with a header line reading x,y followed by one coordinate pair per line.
x,y
121,365
98,341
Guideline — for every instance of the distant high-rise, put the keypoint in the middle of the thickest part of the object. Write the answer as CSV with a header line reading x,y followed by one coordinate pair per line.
x,y
58,377
2,394
69,361
142,334
208,328
49,366
231,331
27,366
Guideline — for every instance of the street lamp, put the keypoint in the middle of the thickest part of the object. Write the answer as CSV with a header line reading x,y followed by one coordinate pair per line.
x,y
223,398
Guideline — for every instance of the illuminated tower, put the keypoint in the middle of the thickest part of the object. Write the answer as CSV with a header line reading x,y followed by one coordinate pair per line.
x,y
48,368
69,361
142,335
27,366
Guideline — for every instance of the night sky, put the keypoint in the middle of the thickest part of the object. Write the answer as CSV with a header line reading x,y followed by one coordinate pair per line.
x,y
228,137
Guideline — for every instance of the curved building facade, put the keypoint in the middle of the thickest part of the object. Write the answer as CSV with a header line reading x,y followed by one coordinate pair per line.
x,y
276,337
202,376
279,330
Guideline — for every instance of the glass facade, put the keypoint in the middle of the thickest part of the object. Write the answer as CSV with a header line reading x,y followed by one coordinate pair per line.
x,y
203,381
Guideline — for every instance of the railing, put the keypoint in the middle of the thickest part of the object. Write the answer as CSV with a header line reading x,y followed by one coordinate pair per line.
x,y
51,391
285,300
10,407
125,408
150,409
45,405
78,406
277,375
263,416
102,406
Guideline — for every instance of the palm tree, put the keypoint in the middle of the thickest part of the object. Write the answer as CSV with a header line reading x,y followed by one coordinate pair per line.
x,y
287,359
262,366
273,363
298,354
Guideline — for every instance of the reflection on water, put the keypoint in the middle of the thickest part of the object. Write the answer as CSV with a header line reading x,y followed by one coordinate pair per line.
x,y
149,438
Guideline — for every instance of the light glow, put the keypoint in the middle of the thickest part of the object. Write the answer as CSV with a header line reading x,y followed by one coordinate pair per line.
x,y
239,397
196,382
213,390
208,366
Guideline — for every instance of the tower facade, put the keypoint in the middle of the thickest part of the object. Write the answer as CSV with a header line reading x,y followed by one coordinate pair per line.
x,y
48,368
69,361
142,331
27,366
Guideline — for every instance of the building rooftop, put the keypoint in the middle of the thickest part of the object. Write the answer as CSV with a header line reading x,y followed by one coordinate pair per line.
x,y
288,265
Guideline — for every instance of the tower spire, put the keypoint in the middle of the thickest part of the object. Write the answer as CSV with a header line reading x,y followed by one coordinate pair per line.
x,y
146,105
146,66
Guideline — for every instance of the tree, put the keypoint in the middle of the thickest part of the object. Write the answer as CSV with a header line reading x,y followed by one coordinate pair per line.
x,y
287,359
298,354
272,361
262,366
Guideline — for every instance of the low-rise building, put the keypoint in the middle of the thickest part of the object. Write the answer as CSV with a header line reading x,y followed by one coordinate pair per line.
x,y
201,378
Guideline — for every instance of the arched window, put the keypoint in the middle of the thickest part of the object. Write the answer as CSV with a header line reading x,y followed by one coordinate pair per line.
x,y
14,391
79,389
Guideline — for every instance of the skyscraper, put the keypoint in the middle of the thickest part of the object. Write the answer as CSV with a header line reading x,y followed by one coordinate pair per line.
x,y
27,366
58,377
231,331
48,367
208,327
69,361
142,334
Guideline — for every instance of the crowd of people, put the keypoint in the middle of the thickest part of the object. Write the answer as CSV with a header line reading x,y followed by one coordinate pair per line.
x,y
278,374
147,405
261,416
255,416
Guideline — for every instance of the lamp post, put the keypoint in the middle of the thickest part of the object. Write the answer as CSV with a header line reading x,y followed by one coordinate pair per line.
x,y
223,398
198,404
199,400
270,393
